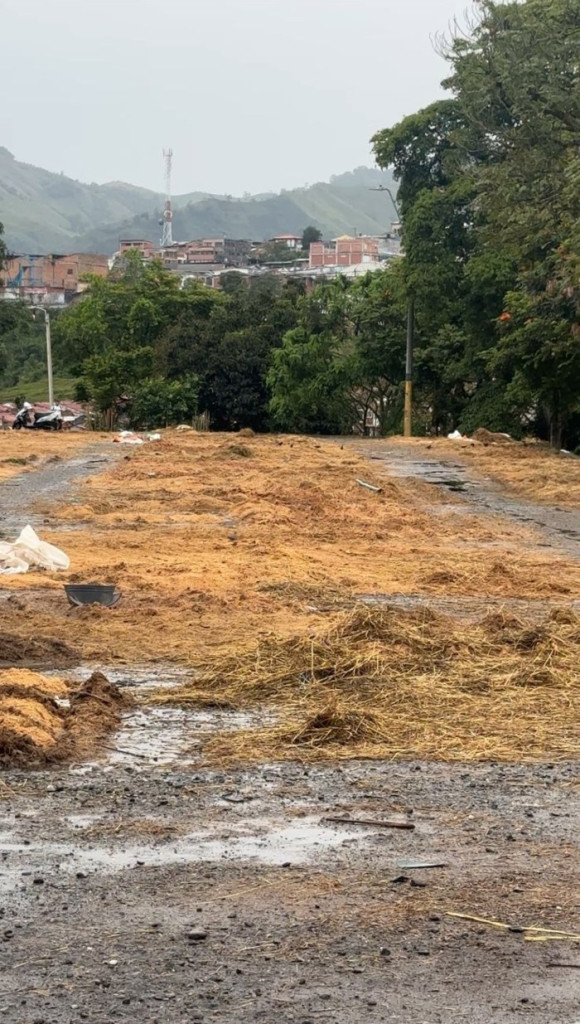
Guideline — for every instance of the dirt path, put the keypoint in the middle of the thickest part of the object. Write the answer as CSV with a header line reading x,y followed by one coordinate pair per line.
x,y
559,528
20,494
143,888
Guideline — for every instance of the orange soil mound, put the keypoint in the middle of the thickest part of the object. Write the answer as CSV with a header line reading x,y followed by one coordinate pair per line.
x,y
44,719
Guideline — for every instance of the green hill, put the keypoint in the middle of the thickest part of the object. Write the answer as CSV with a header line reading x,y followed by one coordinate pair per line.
x,y
46,212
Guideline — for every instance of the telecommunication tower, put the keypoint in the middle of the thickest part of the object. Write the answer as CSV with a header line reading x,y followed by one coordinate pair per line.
x,y
167,236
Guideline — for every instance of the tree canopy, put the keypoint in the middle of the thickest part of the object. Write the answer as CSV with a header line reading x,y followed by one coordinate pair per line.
x,y
491,205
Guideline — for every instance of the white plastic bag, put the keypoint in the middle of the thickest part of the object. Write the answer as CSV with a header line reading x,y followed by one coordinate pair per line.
x,y
30,552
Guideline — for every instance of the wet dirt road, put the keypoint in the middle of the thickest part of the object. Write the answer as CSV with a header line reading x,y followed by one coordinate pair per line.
x,y
168,894
48,483
143,889
558,528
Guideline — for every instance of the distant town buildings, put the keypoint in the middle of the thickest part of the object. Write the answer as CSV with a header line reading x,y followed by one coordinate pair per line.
x,y
49,280
227,252
207,259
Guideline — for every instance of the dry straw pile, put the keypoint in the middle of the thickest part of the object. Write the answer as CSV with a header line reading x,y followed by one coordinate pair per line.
x,y
385,683
31,723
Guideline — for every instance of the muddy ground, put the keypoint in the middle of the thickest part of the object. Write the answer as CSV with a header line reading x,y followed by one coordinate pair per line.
x,y
142,888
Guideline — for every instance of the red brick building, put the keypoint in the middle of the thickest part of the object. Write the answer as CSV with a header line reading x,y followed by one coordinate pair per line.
x,y
346,251
49,279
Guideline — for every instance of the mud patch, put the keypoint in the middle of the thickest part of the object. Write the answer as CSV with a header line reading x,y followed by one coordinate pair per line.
x,y
35,653
95,709
152,736
262,841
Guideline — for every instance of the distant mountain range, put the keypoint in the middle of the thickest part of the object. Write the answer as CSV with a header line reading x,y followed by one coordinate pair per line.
x,y
46,212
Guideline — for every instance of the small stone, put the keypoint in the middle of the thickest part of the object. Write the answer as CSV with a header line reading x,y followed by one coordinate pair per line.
x,y
197,935
384,951
38,881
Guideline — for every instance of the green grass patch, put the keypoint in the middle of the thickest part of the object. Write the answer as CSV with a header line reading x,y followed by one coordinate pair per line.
x,y
37,391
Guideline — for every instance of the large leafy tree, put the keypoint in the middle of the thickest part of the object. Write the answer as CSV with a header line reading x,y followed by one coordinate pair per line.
x,y
230,353
488,187
345,356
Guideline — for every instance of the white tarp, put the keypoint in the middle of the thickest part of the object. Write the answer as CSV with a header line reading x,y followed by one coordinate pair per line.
x,y
30,552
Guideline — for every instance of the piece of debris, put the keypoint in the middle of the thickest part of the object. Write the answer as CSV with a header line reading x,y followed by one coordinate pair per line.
x,y
28,551
410,865
128,437
531,933
371,824
370,487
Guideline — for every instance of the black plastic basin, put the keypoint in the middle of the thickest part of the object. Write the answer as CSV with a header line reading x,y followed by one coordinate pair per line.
x,y
92,593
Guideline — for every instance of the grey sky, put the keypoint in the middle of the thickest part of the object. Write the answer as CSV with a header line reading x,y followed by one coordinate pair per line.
x,y
252,95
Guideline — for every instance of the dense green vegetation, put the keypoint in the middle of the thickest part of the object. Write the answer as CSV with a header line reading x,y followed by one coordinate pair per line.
x,y
489,190
140,343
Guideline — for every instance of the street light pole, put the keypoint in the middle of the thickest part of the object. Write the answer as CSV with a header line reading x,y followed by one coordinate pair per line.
x,y
408,410
408,414
48,353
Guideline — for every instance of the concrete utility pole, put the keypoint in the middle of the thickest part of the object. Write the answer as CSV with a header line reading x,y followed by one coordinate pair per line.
x,y
408,413
48,353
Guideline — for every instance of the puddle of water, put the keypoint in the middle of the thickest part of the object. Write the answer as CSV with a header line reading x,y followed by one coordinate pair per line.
x,y
263,841
82,821
162,735
139,677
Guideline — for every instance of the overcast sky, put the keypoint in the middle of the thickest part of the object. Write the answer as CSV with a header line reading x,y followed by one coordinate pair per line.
x,y
252,95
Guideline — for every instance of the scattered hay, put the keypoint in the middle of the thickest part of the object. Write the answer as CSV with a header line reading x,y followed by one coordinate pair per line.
x,y
21,682
298,516
299,593
388,683
338,724
485,436
31,723
239,451
533,470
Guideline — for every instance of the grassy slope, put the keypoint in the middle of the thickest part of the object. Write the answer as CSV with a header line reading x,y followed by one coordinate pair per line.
x,y
46,212
64,389
331,207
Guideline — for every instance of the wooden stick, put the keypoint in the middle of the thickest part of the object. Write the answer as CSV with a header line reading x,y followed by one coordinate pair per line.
x,y
408,825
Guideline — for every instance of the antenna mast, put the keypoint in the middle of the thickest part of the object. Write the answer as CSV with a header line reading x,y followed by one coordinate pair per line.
x,y
167,236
